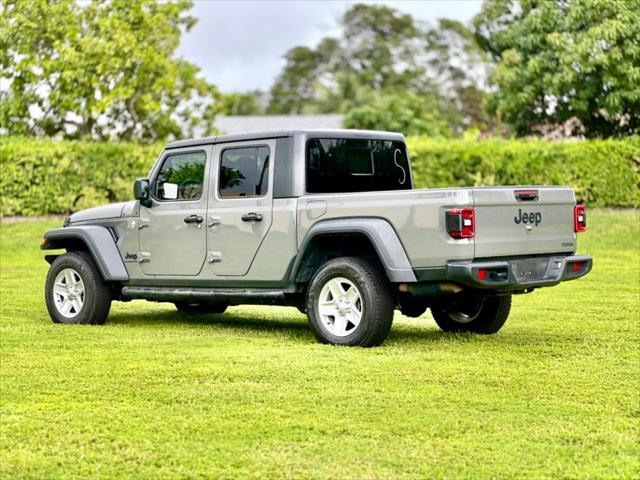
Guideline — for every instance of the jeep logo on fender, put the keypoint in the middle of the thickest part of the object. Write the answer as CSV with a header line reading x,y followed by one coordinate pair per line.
x,y
130,257
524,217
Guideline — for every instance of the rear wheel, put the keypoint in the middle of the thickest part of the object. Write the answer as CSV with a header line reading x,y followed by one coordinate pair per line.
x,y
479,314
350,302
191,307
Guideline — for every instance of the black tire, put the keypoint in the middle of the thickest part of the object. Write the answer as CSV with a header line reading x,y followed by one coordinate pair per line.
x,y
187,307
97,293
485,315
376,302
412,307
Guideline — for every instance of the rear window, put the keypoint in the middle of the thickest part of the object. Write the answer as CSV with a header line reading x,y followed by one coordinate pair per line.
x,y
352,165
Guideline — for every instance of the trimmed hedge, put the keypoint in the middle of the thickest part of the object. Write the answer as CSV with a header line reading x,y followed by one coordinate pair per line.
x,y
48,176
604,173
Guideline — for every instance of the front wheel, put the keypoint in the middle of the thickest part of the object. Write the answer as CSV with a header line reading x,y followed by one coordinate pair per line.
x,y
75,291
480,314
350,302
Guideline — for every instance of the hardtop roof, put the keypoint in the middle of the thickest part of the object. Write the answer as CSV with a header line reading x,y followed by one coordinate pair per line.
x,y
307,133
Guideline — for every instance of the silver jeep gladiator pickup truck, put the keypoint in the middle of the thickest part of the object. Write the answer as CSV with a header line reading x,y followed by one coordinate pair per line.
x,y
323,220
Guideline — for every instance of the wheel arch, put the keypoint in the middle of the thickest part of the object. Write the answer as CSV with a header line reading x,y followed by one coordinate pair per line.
x,y
97,240
368,237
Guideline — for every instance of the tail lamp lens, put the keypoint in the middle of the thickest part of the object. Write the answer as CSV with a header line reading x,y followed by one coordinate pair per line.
x,y
461,222
579,218
493,274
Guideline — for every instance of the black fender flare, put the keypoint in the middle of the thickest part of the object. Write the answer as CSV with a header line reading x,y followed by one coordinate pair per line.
x,y
100,244
382,235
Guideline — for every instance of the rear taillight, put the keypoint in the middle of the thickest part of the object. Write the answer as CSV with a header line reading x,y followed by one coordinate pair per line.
x,y
461,222
579,218
493,274
577,267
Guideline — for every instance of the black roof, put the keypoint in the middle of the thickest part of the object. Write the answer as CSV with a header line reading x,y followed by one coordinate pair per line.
x,y
308,133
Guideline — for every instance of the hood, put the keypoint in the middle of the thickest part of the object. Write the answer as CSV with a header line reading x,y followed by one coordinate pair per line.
x,y
112,210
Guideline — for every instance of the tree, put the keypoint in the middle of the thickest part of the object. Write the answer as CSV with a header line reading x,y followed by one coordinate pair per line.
x,y
296,89
408,113
248,103
560,61
381,54
100,70
380,47
373,54
461,69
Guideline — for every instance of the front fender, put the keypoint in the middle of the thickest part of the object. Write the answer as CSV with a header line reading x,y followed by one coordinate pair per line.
x,y
98,241
381,234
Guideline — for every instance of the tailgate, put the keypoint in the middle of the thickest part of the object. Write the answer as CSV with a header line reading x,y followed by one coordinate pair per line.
x,y
523,221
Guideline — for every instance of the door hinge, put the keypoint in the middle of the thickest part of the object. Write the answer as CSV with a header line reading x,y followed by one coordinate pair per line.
x,y
213,257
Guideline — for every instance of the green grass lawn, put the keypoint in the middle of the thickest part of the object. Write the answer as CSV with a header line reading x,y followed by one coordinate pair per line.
x,y
158,394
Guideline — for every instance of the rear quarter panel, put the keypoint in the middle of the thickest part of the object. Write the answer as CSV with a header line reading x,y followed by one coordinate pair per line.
x,y
417,216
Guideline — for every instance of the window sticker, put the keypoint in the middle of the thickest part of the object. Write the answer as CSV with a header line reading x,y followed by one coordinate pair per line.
x,y
395,160
170,191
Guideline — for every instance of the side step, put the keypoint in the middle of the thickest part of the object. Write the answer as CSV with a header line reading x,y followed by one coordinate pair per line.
x,y
227,295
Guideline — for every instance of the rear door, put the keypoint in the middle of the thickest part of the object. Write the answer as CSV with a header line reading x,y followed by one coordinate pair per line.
x,y
240,208
523,220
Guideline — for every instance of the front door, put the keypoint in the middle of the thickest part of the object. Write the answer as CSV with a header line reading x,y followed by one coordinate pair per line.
x,y
239,213
173,239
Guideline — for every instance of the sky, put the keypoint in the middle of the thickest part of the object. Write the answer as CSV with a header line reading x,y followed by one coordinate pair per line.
x,y
239,45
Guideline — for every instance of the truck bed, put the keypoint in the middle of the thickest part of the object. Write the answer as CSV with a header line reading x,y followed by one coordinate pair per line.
x,y
504,224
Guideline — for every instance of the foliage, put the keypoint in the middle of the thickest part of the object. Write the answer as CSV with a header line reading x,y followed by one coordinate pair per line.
x,y
407,113
385,53
247,103
602,172
48,176
560,60
100,70
461,72
297,89
250,394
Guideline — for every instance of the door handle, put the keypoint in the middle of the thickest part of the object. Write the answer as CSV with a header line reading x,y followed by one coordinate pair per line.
x,y
193,219
252,217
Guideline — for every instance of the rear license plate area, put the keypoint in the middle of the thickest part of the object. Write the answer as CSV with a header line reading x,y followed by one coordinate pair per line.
x,y
530,269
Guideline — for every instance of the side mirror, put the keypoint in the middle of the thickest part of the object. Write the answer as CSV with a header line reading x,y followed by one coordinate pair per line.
x,y
141,192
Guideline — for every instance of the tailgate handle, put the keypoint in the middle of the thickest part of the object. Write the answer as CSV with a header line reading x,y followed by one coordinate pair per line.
x,y
526,195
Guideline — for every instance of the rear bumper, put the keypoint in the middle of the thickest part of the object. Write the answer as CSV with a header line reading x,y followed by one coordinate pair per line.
x,y
502,275
518,273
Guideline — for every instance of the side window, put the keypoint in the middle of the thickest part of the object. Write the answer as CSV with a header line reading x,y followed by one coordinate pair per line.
x,y
181,177
356,165
244,172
